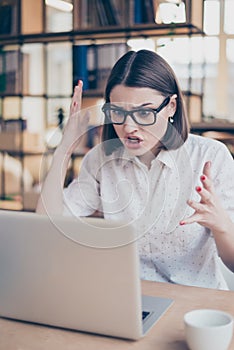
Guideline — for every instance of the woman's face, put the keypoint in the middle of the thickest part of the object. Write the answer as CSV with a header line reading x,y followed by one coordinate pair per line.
x,y
139,139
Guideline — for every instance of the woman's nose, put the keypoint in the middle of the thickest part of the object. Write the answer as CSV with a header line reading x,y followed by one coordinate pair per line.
x,y
130,125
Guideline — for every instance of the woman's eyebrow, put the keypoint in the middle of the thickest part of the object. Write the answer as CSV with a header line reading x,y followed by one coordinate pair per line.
x,y
146,104
134,107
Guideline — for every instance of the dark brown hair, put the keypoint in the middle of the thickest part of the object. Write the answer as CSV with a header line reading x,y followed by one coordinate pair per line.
x,y
147,69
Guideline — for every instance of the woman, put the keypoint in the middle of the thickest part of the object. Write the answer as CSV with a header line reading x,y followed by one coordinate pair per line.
x,y
176,189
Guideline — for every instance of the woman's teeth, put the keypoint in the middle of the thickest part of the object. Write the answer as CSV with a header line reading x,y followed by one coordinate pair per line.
x,y
134,139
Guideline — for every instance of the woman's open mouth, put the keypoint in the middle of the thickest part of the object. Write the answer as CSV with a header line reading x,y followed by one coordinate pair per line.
x,y
133,142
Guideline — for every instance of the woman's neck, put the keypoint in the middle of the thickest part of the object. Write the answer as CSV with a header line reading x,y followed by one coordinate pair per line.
x,y
147,157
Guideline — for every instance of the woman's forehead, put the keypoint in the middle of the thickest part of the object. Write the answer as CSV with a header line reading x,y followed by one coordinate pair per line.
x,y
134,95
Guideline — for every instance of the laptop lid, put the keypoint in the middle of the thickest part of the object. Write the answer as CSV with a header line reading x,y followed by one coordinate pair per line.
x,y
77,273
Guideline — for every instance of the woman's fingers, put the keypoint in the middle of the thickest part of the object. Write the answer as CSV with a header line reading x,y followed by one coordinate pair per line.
x,y
77,98
205,194
198,207
207,169
206,177
193,218
203,208
197,215
208,211
77,123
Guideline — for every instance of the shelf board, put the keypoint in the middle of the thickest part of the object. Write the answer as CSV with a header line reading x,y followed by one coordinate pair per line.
x,y
44,96
109,32
214,126
190,93
10,205
138,30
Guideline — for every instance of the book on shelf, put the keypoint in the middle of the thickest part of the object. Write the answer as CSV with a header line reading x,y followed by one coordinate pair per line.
x,y
149,11
81,14
142,11
9,72
80,67
8,17
111,8
11,107
93,63
107,55
92,67
105,58
161,11
14,125
14,68
21,141
101,15
29,22
97,13
138,11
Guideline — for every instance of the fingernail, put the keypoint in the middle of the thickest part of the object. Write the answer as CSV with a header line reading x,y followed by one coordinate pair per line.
x,y
74,104
182,223
198,188
203,177
78,85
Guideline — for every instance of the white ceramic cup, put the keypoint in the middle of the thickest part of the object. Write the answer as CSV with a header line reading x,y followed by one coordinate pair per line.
x,y
208,329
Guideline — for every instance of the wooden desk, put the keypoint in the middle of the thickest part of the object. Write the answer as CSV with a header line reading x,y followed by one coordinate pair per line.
x,y
167,333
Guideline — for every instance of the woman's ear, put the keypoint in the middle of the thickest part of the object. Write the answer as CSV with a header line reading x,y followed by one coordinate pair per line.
x,y
172,105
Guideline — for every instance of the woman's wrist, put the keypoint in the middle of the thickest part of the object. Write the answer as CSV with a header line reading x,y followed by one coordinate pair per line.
x,y
63,151
61,159
225,226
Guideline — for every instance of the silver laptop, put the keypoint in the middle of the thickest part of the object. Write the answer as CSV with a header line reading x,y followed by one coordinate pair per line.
x,y
80,274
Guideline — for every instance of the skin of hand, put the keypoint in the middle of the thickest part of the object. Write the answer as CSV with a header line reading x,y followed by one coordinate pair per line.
x,y
77,123
210,213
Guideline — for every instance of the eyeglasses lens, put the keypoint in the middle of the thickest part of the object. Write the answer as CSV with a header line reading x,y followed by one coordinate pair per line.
x,y
142,116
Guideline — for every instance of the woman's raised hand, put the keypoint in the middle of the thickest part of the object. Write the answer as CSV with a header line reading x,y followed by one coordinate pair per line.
x,y
209,211
77,123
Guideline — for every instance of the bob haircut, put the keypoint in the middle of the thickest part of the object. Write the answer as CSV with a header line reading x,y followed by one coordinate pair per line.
x,y
146,69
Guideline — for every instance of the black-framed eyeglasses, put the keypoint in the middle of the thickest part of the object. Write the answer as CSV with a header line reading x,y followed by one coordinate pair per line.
x,y
142,116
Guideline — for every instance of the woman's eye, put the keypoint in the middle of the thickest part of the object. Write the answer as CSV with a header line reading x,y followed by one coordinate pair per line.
x,y
117,112
143,113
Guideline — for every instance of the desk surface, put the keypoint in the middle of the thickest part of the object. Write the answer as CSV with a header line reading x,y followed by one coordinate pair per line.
x,y
167,333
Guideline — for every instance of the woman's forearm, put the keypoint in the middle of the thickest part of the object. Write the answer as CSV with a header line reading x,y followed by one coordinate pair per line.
x,y
51,196
225,244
